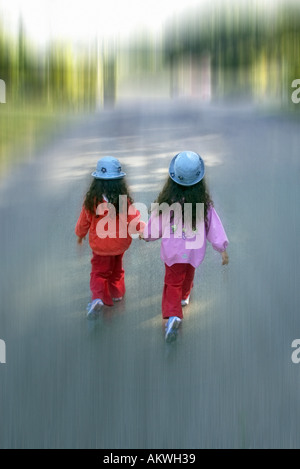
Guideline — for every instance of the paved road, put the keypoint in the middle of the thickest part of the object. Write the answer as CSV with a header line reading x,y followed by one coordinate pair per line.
x,y
228,381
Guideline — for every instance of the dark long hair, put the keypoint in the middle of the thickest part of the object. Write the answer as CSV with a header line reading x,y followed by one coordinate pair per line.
x,y
197,193
111,188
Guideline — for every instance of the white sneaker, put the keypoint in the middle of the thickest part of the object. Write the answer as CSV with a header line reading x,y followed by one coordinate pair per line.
x,y
118,299
186,301
171,328
93,308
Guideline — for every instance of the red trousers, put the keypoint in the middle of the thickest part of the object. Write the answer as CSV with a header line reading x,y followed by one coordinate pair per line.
x,y
178,285
107,278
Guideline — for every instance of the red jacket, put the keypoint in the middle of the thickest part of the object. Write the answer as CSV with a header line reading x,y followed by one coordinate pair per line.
x,y
109,234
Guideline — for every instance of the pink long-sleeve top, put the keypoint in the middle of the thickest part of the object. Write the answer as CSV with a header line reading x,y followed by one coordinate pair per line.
x,y
180,244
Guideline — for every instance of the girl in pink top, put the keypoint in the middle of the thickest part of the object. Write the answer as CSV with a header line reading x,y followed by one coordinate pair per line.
x,y
185,218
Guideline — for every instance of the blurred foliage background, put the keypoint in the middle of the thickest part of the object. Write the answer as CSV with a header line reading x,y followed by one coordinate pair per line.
x,y
238,51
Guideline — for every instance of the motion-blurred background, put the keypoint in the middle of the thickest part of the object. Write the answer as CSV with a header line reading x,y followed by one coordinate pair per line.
x,y
62,57
142,80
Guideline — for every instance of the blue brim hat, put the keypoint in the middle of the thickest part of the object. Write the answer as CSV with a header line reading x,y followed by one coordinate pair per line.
x,y
108,167
187,168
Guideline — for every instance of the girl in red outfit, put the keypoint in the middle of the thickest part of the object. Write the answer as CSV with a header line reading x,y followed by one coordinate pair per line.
x,y
110,218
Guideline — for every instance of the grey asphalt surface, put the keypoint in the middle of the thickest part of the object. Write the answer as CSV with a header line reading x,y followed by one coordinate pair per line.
x,y
228,381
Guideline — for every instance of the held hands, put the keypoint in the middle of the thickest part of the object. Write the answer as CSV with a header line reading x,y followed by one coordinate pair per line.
x,y
79,240
225,258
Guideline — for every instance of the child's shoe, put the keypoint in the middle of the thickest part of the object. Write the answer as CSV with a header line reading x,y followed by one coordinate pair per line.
x,y
171,328
186,301
93,308
118,299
